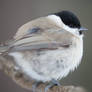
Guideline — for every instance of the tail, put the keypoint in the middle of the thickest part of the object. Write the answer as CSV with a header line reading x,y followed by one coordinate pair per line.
x,y
2,59
3,49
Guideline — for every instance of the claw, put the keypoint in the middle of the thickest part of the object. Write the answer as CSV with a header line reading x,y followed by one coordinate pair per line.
x,y
53,83
48,86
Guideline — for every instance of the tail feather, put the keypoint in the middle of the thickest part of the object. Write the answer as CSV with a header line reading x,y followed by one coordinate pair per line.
x,y
3,49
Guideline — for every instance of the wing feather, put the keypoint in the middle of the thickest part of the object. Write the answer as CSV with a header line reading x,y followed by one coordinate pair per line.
x,y
42,36
48,46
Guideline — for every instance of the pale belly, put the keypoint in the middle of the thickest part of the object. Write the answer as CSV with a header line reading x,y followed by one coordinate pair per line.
x,y
50,65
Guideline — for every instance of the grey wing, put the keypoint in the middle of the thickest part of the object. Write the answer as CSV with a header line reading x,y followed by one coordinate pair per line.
x,y
35,40
49,46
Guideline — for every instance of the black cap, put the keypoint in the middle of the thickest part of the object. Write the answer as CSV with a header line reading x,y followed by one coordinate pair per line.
x,y
69,19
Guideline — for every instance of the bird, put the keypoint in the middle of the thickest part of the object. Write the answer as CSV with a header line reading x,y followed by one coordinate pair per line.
x,y
48,48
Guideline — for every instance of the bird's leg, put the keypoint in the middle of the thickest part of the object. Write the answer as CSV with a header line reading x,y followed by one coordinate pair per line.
x,y
34,86
53,83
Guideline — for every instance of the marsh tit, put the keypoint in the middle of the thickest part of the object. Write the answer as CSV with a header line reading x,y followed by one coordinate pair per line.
x,y
48,48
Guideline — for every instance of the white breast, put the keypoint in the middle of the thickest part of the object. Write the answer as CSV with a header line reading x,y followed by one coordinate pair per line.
x,y
52,64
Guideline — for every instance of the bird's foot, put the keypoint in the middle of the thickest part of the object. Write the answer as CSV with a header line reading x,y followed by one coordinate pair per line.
x,y
53,83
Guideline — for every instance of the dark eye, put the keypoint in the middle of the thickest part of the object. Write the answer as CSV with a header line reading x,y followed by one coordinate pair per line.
x,y
80,32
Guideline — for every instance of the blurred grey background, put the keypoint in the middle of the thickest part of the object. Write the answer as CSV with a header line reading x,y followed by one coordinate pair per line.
x,y
14,13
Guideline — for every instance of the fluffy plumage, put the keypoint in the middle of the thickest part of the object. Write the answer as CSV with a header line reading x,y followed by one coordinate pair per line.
x,y
46,48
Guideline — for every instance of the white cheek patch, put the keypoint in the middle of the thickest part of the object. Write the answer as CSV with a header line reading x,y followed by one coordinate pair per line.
x,y
71,30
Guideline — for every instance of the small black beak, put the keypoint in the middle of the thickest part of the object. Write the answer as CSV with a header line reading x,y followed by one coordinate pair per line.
x,y
83,29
